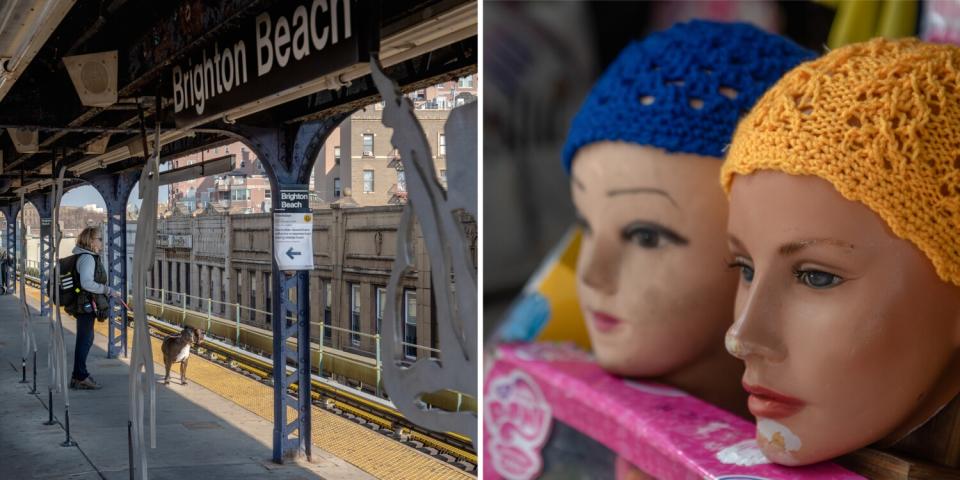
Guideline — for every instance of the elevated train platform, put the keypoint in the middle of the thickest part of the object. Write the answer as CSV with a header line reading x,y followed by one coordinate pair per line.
x,y
219,425
96,95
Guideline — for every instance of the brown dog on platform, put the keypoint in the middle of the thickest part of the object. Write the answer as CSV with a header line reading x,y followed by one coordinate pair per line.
x,y
176,348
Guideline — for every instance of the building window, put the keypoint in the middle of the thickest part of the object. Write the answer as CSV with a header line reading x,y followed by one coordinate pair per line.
x,y
327,314
401,181
240,194
336,155
443,177
442,145
368,181
367,144
410,324
267,194
381,306
465,82
336,188
354,314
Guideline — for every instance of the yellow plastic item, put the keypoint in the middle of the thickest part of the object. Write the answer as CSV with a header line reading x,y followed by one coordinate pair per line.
x,y
558,285
861,20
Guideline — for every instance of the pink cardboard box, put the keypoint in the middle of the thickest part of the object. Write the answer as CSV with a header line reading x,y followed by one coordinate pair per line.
x,y
538,391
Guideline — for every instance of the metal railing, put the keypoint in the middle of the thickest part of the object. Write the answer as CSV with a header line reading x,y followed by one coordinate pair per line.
x,y
176,302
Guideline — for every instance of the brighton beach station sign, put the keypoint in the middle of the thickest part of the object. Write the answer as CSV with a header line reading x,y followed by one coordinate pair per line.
x,y
292,43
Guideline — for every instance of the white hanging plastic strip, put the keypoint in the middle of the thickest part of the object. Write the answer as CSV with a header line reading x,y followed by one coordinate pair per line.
x,y
26,323
141,359
58,354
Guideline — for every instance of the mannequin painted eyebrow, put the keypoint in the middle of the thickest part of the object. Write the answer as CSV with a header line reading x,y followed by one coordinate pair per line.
x,y
629,191
794,247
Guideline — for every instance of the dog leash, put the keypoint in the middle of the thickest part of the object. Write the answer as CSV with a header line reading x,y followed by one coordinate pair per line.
x,y
123,303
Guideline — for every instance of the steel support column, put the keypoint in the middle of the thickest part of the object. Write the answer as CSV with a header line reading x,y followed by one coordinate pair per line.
x,y
11,211
288,156
45,211
115,190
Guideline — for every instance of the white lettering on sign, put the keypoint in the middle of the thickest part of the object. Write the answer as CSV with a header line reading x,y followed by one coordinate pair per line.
x,y
292,200
277,46
294,195
212,76
279,40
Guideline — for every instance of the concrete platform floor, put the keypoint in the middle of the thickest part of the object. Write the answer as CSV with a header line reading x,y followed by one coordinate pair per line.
x,y
199,434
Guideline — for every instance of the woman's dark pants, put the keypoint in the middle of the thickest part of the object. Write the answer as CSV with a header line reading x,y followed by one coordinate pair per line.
x,y
84,342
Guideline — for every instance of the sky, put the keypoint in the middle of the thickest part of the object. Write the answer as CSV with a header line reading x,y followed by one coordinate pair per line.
x,y
85,195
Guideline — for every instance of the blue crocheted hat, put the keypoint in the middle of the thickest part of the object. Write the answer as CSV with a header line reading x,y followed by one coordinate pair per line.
x,y
683,89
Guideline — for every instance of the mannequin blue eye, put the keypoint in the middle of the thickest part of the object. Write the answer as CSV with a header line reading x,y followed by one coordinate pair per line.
x,y
817,279
746,272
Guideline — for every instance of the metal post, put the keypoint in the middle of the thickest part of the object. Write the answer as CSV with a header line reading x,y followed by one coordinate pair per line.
x,y
33,389
49,406
130,447
163,302
66,416
183,303
378,365
237,318
209,311
320,359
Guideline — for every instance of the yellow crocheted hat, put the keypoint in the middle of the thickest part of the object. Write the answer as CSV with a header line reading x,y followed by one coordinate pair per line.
x,y
880,120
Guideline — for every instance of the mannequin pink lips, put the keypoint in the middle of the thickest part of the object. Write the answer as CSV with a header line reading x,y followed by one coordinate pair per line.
x,y
767,403
604,322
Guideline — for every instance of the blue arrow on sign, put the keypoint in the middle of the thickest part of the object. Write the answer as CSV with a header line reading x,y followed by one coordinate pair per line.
x,y
291,253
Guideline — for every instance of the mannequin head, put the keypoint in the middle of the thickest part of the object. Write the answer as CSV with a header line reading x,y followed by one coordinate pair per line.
x,y
845,235
838,313
651,267
652,277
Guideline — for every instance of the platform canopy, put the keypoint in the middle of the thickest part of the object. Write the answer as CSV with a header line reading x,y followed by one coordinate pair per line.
x,y
77,75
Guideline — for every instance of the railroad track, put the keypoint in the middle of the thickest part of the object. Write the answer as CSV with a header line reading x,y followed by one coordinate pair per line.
x,y
362,408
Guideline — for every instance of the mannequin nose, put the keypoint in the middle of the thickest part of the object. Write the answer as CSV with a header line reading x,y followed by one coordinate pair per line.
x,y
754,333
600,268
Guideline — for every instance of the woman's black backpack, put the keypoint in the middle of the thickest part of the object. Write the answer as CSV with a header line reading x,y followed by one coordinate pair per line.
x,y
69,284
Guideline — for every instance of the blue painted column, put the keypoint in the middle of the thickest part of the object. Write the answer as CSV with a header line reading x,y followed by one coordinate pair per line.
x,y
11,212
289,164
115,190
43,204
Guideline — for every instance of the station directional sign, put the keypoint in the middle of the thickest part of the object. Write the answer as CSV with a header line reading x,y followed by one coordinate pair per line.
x,y
293,229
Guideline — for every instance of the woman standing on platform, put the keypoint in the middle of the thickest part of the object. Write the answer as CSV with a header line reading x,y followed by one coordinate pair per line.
x,y
92,298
